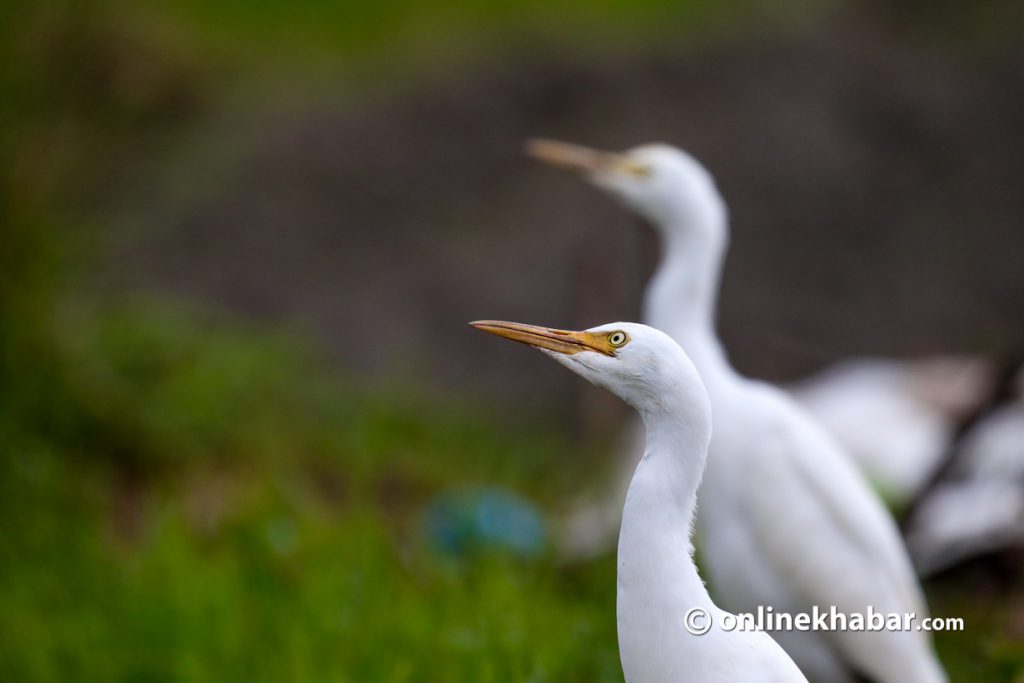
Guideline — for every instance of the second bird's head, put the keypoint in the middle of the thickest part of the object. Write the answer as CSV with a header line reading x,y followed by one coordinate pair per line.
x,y
664,185
639,364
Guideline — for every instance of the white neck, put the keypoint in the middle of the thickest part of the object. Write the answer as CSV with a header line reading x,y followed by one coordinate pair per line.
x,y
682,296
657,579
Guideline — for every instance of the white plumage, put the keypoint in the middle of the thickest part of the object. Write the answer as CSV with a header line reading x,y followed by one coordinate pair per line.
x,y
785,520
658,583
895,418
979,507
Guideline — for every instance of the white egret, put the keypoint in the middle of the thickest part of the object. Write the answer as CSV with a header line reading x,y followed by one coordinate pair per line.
x,y
658,585
978,506
964,519
785,520
912,406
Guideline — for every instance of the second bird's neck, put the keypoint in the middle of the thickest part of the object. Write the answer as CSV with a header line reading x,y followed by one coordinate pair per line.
x,y
682,296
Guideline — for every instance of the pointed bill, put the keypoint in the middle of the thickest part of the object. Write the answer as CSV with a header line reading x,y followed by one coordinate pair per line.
x,y
559,341
571,157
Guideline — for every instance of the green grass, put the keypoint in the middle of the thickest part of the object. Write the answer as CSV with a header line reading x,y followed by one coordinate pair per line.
x,y
286,587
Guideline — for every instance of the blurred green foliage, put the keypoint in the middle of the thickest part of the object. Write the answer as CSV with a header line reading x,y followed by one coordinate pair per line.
x,y
188,498
213,508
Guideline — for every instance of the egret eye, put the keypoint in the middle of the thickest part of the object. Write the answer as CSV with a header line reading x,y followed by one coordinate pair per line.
x,y
638,170
618,339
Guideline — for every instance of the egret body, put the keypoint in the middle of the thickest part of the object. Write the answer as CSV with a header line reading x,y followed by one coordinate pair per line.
x,y
658,583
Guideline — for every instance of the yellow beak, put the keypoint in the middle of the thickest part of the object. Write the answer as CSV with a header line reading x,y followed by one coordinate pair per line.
x,y
572,157
560,341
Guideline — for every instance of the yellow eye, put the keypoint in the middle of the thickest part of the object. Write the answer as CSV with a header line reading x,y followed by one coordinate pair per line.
x,y
637,170
618,339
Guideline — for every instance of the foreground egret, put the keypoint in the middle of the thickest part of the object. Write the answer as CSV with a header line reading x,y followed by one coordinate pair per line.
x,y
785,520
658,584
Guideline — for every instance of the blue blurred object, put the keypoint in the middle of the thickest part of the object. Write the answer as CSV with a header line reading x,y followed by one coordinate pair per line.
x,y
489,518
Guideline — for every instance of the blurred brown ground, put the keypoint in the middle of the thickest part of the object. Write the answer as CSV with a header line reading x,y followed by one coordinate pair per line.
x,y
874,191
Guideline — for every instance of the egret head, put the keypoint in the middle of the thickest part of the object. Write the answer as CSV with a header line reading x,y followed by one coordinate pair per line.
x,y
639,364
663,184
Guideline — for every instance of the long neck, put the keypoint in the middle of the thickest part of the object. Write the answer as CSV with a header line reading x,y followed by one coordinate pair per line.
x,y
682,296
655,563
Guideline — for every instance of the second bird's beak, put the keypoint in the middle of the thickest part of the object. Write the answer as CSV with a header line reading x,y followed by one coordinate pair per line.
x,y
559,341
572,157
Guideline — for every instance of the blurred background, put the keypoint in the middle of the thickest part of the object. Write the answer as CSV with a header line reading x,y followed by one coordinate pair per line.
x,y
245,433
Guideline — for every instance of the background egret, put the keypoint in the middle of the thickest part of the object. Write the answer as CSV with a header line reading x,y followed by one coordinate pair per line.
x,y
896,419
976,503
